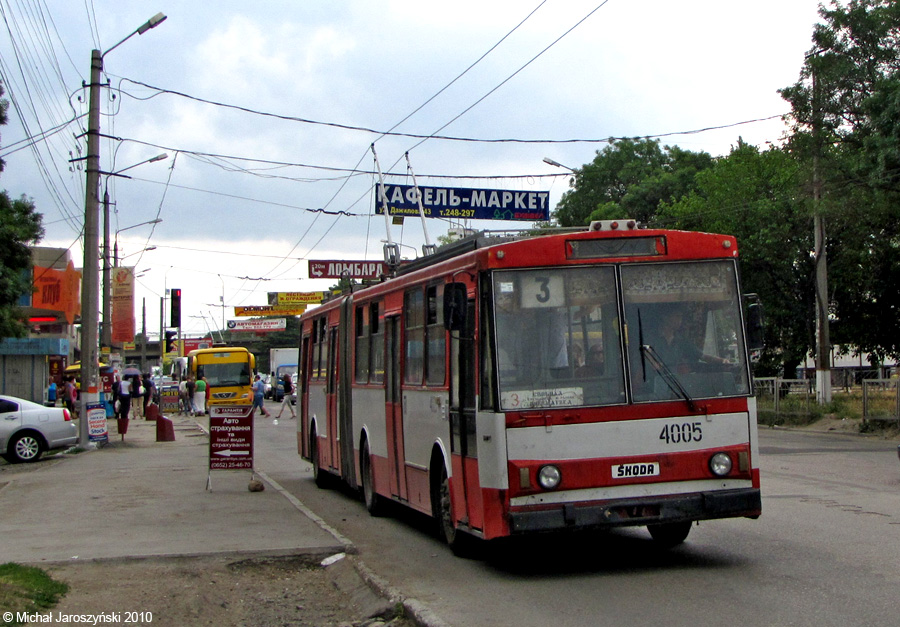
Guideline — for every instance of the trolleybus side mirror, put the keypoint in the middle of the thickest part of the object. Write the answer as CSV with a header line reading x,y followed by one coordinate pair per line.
x,y
455,303
755,339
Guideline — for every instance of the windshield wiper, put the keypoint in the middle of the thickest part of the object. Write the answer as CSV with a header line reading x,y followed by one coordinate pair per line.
x,y
665,373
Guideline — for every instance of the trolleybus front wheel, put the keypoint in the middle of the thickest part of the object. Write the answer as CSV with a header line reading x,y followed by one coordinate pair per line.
x,y
668,535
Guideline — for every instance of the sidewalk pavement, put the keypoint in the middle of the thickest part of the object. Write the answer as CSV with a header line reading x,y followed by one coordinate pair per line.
x,y
137,497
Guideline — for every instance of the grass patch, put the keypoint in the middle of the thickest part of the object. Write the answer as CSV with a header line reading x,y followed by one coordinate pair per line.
x,y
27,589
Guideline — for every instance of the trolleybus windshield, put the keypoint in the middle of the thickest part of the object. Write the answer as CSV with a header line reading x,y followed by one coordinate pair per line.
x,y
559,338
685,337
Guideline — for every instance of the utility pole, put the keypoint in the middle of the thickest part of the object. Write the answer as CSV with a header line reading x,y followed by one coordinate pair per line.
x,y
90,289
823,340
90,269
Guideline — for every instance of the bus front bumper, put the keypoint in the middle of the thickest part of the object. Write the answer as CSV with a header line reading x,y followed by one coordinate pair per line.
x,y
620,513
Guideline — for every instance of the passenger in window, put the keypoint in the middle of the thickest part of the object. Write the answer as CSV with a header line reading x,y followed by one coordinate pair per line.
x,y
594,364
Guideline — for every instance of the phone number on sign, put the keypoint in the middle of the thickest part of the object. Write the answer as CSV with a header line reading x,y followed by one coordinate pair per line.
x,y
87,619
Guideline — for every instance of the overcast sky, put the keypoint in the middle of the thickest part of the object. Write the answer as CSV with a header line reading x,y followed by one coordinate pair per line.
x,y
239,191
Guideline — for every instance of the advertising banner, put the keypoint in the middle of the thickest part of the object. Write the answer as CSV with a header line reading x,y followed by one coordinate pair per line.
x,y
296,298
258,325
457,203
336,269
230,437
58,290
122,305
270,310
96,417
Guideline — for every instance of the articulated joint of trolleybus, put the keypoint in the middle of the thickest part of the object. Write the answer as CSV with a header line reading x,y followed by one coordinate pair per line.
x,y
638,512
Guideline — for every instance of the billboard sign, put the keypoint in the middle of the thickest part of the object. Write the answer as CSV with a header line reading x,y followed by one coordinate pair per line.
x,y
335,269
457,203
258,325
296,298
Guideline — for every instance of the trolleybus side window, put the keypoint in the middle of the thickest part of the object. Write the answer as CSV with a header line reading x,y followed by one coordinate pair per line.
x,y
361,341
414,337
376,348
436,365
320,350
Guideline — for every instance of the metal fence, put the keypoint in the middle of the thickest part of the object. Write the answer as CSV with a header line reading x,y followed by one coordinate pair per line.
x,y
778,400
881,400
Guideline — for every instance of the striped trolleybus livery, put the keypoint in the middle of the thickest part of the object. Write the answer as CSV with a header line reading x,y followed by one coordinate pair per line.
x,y
567,381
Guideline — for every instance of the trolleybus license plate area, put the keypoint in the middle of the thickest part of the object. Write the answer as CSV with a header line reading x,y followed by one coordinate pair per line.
x,y
629,471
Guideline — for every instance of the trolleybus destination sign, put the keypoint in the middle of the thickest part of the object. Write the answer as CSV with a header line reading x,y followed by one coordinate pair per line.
x,y
469,204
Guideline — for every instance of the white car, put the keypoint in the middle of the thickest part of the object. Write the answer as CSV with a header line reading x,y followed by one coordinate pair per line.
x,y
28,430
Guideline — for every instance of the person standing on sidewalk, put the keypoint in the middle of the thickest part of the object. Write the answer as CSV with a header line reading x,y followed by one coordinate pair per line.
x,y
190,388
51,393
286,399
200,396
259,397
124,398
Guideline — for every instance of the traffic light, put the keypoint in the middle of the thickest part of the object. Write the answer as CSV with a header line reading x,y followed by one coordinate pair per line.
x,y
175,308
170,340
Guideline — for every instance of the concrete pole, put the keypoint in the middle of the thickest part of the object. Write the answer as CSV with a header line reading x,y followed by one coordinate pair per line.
x,y
823,339
90,290
106,338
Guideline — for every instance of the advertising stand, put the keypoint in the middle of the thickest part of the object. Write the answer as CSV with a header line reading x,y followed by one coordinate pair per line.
x,y
230,439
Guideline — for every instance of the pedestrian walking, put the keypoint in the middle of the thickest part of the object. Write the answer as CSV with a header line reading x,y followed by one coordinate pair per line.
x,y
116,393
147,385
259,397
286,399
71,395
51,393
124,398
137,396
200,396
190,388
183,406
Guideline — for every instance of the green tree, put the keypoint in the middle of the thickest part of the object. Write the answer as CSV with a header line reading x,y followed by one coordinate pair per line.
x,y
628,179
844,113
20,225
751,194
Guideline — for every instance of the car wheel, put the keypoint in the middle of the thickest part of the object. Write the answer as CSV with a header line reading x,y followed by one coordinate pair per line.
x,y
25,448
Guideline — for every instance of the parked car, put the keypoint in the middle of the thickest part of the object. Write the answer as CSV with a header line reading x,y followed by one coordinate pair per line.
x,y
28,430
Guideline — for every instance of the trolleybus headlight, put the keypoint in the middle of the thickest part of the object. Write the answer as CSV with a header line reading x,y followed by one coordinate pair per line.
x,y
549,477
720,464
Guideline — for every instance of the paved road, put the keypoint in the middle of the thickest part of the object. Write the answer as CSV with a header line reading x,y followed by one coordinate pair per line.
x,y
823,553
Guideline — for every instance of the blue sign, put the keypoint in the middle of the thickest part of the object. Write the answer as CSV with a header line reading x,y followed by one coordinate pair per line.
x,y
458,203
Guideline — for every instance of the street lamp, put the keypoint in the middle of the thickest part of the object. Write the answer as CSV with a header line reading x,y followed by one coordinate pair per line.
x,y
139,252
106,339
557,164
133,226
90,290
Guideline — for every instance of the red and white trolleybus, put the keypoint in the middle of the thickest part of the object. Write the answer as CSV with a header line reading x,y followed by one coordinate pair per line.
x,y
573,380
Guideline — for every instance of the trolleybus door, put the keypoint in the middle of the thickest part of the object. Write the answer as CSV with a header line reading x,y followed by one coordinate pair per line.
x,y
303,398
334,448
394,409
464,456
